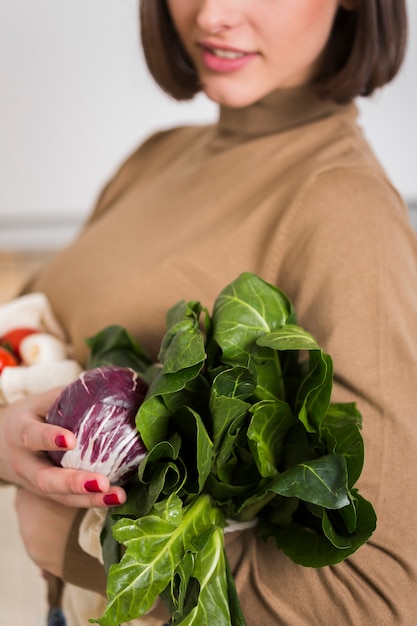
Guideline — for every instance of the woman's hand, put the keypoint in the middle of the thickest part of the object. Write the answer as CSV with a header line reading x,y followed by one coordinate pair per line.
x,y
24,438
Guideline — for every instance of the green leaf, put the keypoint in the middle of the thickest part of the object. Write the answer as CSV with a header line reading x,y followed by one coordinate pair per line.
x,y
152,421
186,350
147,566
347,516
310,548
281,510
170,384
228,404
246,309
267,370
226,447
235,383
115,346
340,431
182,355
205,592
236,615
167,393
155,546
341,540
313,398
182,594
301,446
183,344
213,600
223,492
160,472
266,434
196,439
289,337
322,481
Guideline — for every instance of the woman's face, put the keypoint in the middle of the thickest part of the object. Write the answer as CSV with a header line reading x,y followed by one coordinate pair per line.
x,y
245,49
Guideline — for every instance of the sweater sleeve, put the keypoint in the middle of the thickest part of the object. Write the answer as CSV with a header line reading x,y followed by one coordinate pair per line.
x,y
347,257
80,568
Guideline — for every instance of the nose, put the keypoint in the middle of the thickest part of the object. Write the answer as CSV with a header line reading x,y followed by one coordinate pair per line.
x,y
213,16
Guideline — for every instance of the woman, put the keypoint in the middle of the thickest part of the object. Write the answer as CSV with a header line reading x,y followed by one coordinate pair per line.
x,y
284,185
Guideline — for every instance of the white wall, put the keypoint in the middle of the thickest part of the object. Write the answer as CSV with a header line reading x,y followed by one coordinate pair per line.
x,y
390,119
76,98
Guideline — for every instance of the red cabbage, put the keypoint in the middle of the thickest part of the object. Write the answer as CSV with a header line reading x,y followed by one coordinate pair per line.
x,y
100,407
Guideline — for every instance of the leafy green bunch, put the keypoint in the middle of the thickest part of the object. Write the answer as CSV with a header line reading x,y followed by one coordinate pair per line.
x,y
239,426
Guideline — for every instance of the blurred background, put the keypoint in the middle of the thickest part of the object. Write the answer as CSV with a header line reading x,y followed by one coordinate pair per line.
x,y
75,100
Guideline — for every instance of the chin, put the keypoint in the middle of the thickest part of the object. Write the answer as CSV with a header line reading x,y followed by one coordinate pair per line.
x,y
237,94
231,99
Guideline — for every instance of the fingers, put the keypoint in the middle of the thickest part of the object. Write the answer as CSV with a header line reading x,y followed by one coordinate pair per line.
x,y
28,429
114,497
36,435
76,488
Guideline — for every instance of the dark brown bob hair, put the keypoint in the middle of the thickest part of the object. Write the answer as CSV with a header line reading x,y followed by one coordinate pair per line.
x,y
365,50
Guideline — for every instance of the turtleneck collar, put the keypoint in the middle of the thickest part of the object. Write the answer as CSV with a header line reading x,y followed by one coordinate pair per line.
x,y
278,111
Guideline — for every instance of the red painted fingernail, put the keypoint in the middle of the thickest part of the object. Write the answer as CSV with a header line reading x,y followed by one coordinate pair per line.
x,y
92,486
60,441
111,499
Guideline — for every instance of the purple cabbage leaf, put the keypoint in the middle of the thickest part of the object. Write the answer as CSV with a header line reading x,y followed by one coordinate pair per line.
x,y
100,407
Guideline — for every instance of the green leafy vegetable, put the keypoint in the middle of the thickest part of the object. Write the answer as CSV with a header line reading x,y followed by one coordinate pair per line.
x,y
114,346
238,424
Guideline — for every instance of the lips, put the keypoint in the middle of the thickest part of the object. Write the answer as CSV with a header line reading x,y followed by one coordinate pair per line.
x,y
226,54
224,59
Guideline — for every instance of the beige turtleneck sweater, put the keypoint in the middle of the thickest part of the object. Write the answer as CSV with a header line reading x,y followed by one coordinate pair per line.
x,y
287,188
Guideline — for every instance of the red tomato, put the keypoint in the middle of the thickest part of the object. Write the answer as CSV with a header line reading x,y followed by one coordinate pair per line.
x,y
11,340
7,359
